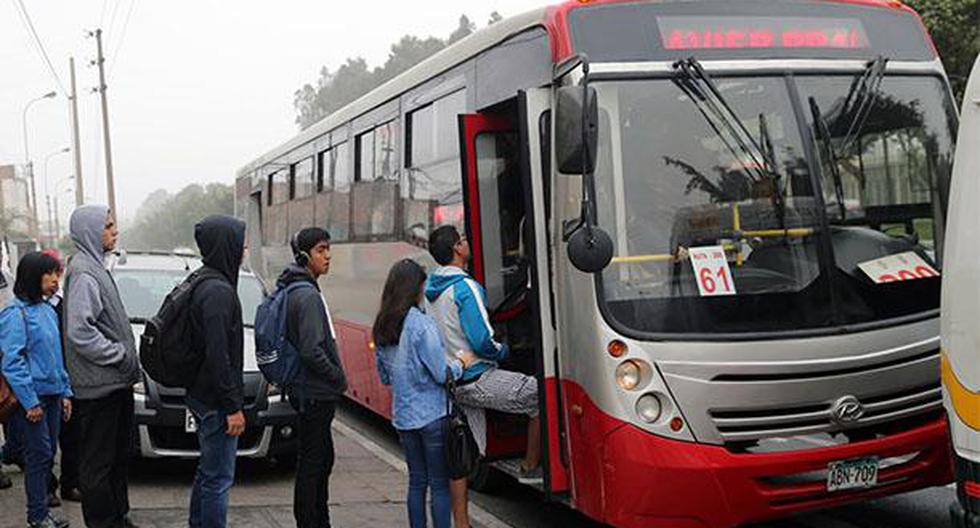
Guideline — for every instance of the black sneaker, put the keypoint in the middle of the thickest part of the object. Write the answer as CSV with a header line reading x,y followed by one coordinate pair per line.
x,y
49,522
5,481
59,522
71,495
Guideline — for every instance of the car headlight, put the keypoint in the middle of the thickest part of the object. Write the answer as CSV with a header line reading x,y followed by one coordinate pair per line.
x,y
139,388
628,375
649,408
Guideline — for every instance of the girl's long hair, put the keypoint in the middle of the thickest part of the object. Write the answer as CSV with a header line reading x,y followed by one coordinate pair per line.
x,y
401,293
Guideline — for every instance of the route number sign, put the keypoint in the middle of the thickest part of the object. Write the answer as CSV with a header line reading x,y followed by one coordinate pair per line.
x,y
711,270
897,268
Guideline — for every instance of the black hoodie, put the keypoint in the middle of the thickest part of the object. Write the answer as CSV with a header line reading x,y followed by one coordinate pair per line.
x,y
216,317
308,329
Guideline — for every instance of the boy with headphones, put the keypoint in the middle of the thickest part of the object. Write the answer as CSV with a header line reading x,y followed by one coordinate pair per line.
x,y
321,380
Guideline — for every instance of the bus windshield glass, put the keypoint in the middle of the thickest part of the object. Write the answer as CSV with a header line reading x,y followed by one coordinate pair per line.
x,y
717,233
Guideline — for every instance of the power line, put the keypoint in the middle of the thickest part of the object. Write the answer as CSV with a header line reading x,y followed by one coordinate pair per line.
x,y
112,18
26,19
122,37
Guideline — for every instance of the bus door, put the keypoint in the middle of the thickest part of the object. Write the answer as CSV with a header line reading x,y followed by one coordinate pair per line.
x,y
505,220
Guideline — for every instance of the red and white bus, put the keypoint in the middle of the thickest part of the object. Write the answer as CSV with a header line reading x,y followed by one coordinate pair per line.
x,y
712,229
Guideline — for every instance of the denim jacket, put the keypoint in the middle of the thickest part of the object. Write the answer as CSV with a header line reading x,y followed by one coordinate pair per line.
x,y
30,341
416,371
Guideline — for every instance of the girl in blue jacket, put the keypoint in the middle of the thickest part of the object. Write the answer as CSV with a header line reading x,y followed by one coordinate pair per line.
x,y
411,359
33,366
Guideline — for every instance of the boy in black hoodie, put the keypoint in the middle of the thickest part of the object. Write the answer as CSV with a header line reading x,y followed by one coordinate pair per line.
x,y
215,397
321,379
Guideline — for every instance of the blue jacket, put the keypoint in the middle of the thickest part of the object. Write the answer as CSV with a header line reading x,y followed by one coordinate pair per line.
x,y
31,346
458,304
416,371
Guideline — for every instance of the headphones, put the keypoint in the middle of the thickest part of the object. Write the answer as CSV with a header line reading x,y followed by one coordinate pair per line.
x,y
301,257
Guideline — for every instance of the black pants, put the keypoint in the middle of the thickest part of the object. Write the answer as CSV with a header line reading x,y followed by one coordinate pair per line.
x,y
69,441
314,464
105,427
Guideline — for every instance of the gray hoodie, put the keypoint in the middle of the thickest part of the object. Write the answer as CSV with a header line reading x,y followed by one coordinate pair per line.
x,y
100,351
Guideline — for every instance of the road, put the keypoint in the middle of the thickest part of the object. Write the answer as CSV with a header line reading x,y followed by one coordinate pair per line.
x,y
368,490
521,507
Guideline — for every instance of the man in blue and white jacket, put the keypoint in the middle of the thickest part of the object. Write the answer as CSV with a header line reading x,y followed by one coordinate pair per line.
x,y
458,304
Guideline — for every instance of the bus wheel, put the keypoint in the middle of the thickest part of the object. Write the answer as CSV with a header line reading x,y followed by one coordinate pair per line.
x,y
486,479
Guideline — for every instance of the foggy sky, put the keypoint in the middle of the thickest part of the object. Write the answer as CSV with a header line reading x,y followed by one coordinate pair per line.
x,y
198,88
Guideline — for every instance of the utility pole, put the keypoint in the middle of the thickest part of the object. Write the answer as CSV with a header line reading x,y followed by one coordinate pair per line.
x,y
50,222
76,142
110,182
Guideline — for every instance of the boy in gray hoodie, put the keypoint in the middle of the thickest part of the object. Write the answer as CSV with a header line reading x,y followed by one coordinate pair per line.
x,y
101,358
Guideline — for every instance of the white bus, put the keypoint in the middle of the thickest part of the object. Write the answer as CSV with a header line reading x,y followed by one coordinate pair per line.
x,y
961,311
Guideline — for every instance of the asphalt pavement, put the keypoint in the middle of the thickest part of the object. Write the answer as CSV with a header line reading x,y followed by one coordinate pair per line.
x,y
367,489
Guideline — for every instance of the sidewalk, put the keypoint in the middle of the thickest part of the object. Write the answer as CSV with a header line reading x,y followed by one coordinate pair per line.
x,y
367,489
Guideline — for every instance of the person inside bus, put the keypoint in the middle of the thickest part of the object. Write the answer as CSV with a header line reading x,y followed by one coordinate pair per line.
x,y
412,360
458,304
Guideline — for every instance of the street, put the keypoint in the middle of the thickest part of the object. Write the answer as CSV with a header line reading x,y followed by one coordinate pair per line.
x,y
368,489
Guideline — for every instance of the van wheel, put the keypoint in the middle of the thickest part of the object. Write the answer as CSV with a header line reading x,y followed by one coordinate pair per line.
x,y
486,478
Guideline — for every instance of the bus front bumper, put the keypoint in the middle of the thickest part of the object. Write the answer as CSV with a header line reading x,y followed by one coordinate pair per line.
x,y
652,481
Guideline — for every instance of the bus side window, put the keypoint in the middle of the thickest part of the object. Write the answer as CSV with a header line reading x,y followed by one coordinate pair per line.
x,y
432,193
375,187
333,195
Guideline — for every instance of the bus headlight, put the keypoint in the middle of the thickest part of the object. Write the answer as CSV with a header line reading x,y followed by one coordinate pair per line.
x,y
628,375
649,408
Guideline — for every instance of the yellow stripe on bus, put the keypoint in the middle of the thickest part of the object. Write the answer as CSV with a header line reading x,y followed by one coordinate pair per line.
x,y
965,402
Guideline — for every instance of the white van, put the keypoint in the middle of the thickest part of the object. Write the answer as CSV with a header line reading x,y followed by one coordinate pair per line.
x,y
961,310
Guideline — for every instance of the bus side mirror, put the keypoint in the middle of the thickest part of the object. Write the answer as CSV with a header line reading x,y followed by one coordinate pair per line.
x,y
590,249
577,111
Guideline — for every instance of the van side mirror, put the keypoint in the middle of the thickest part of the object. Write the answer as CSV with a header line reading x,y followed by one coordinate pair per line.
x,y
576,111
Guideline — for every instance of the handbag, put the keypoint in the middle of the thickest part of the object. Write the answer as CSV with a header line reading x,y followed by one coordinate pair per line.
x,y
8,400
462,451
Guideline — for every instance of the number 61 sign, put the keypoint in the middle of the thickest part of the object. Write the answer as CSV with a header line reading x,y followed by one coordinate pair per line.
x,y
711,271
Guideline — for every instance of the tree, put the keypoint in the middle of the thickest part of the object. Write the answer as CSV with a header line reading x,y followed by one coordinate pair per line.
x,y
955,29
166,221
465,29
335,89
494,18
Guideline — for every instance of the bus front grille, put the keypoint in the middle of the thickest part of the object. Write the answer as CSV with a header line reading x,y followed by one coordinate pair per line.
x,y
740,425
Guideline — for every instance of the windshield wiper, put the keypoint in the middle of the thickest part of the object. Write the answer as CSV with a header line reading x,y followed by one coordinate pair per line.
x,y
695,82
861,99
823,132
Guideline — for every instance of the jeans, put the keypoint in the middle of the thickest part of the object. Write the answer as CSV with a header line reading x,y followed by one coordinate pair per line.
x,y
70,444
105,430
13,447
215,471
314,462
40,440
424,452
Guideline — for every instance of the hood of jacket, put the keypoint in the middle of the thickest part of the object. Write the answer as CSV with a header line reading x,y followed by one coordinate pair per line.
x,y
441,279
221,240
86,226
295,273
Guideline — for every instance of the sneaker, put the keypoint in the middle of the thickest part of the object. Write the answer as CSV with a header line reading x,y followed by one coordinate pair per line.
x,y
49,522
531,476
71,495
5,481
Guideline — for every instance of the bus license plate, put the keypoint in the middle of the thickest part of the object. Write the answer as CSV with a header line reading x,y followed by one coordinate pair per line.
x,y
861,473
190,423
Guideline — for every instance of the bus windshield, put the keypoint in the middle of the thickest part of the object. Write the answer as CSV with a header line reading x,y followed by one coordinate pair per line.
x,y
708,241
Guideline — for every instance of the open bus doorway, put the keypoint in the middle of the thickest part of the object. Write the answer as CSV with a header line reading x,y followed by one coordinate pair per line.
x,y
497,226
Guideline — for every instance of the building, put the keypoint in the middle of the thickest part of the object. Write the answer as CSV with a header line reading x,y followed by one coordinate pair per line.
x,y
15,208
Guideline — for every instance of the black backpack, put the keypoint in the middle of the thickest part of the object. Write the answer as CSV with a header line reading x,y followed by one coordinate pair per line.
x,y
167,350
